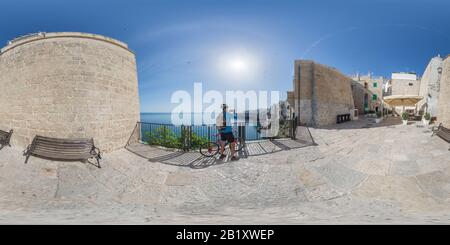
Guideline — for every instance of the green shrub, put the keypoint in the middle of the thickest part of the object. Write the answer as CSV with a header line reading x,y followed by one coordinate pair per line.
x,y
405,116
427,116
163,136
197,141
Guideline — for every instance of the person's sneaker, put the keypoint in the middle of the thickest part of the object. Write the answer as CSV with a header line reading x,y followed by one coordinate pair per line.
x,y
222,156
233,158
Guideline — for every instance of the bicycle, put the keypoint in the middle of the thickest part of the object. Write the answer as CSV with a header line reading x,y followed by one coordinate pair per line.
x,y
211,148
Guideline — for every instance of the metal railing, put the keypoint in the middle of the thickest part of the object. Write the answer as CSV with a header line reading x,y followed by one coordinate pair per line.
x,y
188,137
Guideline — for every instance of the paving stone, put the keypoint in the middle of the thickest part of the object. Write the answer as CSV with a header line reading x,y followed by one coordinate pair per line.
x,y
354,175
75,181
178,179
406,168
373,166
341,176
436,183
400,157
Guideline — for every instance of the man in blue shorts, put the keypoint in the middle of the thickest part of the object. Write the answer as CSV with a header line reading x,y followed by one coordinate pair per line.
x,y
223,122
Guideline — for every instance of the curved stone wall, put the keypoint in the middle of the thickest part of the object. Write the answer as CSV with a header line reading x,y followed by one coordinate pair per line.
x,y
429,87
444,94
69,85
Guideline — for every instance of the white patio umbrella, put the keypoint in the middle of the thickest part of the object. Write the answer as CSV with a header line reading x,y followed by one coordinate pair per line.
x,y
402,100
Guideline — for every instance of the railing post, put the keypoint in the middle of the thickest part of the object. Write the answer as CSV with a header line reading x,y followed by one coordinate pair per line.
x,y
135,136
293,129
165,134
139,132
185,134
209,132
183,138
241,132
190,137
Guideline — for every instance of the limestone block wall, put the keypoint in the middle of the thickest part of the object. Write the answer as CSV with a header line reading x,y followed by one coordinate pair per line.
x,y
333,94
444,94
305,112
69,85
359,92
303,75
405,87
321,93
430,86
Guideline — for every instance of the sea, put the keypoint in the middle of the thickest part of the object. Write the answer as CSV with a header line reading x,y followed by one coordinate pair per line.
x,y
166,119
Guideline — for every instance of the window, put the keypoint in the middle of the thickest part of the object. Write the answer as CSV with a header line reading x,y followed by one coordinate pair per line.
x,y
374,97
375,85
365,85
411,84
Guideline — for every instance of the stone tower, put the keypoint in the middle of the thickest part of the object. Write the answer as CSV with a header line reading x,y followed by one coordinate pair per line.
x,y
69,85
444,94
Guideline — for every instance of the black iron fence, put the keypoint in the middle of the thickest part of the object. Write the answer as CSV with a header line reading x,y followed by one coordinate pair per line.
x,y
192,136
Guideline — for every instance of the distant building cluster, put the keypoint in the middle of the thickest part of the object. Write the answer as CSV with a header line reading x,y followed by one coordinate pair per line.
x,y
368,92
321,93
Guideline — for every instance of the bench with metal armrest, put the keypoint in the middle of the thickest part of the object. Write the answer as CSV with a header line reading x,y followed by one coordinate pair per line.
x,y
442,132
5,138
63,149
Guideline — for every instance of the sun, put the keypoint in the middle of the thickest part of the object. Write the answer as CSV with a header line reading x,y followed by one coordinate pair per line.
x,y
238,65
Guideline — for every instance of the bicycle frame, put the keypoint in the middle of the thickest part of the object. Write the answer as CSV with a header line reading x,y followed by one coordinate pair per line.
x,y
218,141
239,144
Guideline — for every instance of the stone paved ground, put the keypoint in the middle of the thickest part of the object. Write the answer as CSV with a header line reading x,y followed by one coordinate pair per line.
x,y
358,172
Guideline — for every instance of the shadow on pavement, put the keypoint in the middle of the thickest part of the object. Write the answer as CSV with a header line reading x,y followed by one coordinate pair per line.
x,y
195,160
364,122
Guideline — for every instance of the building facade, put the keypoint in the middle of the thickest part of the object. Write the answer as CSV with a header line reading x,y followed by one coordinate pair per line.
x,y
404,83
320,93
443,115
368,93
430,87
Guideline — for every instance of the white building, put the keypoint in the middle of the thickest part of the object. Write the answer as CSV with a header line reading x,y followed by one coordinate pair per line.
x,y
430,86
404,84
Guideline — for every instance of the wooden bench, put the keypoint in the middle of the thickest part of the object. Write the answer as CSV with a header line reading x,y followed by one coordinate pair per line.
x,y
5,138
442,132
63,149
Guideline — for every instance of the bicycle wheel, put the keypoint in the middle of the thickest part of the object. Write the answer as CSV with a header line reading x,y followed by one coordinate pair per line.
x,y
240,143
209,149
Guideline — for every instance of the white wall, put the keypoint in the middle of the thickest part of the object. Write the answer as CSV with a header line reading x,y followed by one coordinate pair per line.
x,y
404,76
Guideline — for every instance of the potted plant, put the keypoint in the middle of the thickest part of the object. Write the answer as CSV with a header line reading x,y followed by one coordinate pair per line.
x,y
426,119
405,117
379,117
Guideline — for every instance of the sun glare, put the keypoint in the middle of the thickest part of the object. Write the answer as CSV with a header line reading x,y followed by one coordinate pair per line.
x,y
238,65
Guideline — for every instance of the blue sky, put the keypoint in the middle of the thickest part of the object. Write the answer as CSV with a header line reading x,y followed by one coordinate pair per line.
x,y
180,42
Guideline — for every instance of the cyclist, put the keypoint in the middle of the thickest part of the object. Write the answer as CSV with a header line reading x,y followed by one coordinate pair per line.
x,y
223,122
